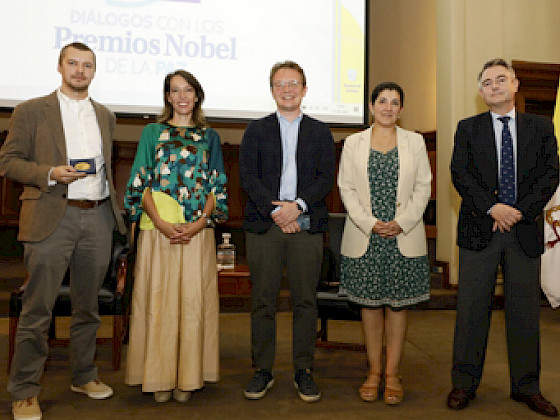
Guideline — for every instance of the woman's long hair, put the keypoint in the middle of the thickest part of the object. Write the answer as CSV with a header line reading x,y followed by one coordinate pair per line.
x,y
198,115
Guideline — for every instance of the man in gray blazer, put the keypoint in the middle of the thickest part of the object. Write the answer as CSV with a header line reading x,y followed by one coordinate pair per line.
x,y
505,168
59,147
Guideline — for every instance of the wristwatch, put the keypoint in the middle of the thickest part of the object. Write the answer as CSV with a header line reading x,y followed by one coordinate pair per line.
x,y
208,220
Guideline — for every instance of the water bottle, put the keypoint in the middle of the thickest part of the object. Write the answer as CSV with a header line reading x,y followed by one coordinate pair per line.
x,y
226,253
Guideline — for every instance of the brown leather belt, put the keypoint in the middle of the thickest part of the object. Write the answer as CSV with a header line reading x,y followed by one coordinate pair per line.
x,y
86,204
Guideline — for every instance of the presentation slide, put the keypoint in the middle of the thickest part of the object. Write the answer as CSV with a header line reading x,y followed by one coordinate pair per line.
x,y
229,45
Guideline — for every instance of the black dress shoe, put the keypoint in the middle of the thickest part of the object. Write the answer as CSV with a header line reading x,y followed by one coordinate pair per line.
x,y
537,403
459,398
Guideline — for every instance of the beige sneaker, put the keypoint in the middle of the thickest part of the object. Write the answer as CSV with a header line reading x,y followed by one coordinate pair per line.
x,y
162,396
181,396
95,389
27,409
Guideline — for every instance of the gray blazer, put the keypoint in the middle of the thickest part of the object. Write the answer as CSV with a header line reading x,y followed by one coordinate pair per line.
x,y
35,143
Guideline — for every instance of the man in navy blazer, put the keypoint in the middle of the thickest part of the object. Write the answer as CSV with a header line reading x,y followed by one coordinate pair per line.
x,y
505,168
287,167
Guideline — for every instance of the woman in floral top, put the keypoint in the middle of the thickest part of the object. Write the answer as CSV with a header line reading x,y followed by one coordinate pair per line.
x,y
176,186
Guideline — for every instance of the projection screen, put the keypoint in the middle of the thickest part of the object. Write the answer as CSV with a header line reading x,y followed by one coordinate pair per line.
x,y
229,45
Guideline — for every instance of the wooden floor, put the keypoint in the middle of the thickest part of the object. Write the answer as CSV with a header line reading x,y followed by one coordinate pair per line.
x,y
425,372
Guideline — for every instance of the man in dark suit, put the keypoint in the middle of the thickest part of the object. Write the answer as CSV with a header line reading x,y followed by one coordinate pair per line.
x,y
505,168
286,166
66,221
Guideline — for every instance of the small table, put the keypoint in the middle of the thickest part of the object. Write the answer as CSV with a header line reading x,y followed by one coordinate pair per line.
x,y
235,281
234,288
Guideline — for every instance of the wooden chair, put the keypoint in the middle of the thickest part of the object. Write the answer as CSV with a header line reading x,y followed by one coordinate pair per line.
x,y
114,298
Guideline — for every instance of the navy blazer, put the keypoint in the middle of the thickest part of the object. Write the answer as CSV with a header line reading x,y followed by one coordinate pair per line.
x,y
474,169
260,170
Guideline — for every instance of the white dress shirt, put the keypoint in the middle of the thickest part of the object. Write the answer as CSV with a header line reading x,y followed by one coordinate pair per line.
x,y
83,141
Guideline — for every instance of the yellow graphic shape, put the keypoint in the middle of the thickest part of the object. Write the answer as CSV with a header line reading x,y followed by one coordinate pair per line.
x,y
349,45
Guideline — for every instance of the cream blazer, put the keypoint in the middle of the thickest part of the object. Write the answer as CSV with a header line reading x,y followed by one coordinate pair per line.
x,y
413,193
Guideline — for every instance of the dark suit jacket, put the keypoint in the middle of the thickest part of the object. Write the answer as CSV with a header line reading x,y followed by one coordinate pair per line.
x,y
36,143
260,169
474,168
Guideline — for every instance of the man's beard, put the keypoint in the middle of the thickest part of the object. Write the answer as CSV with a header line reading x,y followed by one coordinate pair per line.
x,y
78,88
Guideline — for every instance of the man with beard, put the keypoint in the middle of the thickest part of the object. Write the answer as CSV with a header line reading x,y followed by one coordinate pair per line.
x,y
59,147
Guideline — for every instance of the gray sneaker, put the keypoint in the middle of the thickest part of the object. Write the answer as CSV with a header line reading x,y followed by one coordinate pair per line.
x,y
262,381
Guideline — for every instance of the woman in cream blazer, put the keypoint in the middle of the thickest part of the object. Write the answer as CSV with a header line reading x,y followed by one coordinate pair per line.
x,y
384,262
413,193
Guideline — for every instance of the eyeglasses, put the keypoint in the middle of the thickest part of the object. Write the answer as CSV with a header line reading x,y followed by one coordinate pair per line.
x,y
286,83
500,80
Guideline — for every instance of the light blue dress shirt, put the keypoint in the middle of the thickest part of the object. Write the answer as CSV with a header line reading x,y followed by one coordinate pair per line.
x,y
289,136
288,180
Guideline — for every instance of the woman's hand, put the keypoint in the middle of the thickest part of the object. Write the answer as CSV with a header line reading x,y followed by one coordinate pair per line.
x,y
378,227
170,230
393,228
386,229
189,231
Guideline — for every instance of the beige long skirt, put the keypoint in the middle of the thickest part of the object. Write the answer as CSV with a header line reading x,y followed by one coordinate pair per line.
x,y
175,314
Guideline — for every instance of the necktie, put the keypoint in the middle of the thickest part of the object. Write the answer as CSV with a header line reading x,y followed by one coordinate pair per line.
x,y
507,168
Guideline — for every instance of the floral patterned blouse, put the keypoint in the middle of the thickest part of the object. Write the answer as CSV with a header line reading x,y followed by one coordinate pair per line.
x,y
185,163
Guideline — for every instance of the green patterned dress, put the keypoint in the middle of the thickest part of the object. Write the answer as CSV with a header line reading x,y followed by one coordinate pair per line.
x,y
383,276
174,326
183,162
